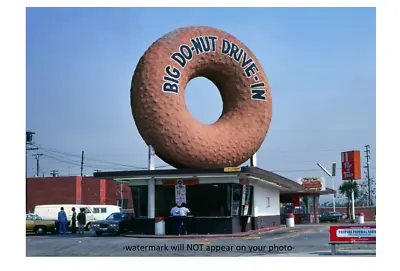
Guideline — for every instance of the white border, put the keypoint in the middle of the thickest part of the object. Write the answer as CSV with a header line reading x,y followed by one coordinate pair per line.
x,y
12,82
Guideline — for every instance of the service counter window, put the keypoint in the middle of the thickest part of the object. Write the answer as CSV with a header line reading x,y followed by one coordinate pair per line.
x,y
236,198
202,200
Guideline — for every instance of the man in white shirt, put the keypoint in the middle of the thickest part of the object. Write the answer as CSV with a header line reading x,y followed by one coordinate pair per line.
x,y
183,212
175,211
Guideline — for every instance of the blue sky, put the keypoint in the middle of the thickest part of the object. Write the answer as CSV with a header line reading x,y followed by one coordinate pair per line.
x,y
320,62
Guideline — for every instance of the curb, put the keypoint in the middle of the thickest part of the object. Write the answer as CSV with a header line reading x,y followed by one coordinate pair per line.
x,y
200,236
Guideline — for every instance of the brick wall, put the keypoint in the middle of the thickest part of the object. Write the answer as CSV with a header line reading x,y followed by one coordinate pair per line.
x,y
90,190
74,190
50,190
114,193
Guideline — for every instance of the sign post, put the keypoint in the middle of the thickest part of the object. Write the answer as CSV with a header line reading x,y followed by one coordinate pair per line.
x,y
331,174
351,170
180,193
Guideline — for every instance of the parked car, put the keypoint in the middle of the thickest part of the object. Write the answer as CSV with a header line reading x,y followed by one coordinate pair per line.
x,y
115,223
330,217
39,226
101,212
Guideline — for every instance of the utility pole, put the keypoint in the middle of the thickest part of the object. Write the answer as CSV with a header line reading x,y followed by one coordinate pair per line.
x,y
29,147
54,173
82,163
37,157
367,155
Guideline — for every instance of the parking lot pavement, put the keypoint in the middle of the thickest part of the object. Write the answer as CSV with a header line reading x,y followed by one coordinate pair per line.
x,y
303,240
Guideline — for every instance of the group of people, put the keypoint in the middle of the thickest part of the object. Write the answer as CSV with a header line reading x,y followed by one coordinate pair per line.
x,y
179,213
63,220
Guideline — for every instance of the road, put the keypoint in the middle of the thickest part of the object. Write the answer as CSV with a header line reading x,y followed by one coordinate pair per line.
x,y
303,240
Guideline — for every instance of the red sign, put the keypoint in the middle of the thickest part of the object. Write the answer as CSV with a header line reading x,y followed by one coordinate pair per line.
x,y
351,165
313,184
184,181
356,234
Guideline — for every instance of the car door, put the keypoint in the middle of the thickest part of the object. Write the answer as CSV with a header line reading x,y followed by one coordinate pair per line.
x,y
30,223
123,223
129,223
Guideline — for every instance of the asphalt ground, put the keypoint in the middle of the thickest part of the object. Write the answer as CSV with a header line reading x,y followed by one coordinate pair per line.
x,y
303,240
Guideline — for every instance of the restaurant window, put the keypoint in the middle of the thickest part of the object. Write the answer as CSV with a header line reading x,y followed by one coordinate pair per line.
x,y
242,200
165,199
236,198
209,199
139,198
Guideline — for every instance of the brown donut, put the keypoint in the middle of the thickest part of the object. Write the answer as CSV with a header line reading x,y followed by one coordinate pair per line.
x,y
158,99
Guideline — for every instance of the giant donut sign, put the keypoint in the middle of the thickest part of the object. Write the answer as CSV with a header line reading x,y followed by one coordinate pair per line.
x,y
158,99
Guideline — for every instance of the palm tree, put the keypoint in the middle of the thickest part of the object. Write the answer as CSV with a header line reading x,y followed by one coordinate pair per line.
x,y
345,189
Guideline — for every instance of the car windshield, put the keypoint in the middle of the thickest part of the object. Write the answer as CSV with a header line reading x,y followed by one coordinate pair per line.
x,y
33,217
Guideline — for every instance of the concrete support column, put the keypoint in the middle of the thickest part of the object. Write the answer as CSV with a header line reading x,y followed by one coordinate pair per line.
x,y
151,204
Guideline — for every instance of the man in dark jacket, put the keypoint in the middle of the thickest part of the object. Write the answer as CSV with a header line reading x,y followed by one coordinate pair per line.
x,y
73,221
81,221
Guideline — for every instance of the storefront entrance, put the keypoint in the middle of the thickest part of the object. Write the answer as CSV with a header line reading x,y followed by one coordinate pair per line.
x,y
212,200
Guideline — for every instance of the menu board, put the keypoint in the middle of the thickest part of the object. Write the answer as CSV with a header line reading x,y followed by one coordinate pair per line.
x,y
180,193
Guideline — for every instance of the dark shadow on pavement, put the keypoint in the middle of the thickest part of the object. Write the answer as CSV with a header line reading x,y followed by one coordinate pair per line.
x,y
344,253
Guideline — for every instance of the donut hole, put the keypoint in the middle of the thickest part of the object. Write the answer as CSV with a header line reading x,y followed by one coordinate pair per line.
x,y
203,100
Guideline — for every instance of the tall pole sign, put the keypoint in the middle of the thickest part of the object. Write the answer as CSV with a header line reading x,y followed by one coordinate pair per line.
x,y
351,166
351,170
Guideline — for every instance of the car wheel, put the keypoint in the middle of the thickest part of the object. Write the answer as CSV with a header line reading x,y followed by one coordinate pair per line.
x,y
40,230
99,233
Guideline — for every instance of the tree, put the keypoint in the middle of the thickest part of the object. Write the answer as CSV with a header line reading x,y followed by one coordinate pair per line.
x,y
345,189
363,199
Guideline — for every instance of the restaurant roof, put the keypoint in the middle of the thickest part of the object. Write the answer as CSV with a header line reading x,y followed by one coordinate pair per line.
x,y
287,186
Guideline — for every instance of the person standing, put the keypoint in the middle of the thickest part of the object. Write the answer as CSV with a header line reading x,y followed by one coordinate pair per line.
x,y
81,221
183,212
62,220
73,221
175,212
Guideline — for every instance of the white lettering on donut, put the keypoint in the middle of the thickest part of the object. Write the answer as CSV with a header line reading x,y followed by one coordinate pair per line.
x,y
171,81
206,44
258,91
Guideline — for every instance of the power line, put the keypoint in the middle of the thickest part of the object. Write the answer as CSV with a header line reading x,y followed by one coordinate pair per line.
x,y
67,158
92,159
68,161
302,170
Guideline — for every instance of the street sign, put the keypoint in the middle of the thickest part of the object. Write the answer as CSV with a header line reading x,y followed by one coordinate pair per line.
x,y
356,234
